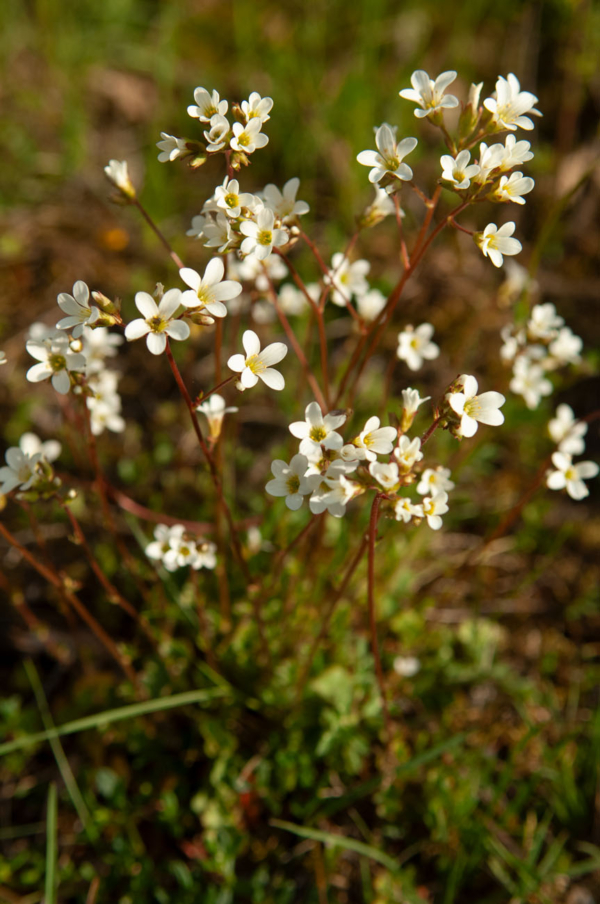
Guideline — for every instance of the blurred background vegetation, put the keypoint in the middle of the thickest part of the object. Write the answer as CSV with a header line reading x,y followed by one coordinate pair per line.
x,y
493,794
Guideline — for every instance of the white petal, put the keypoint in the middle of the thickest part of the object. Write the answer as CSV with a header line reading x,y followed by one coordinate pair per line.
x,y
273,353
146,305
61,382
156,342
214,272
237,363
136,329
169,303
251,343
178,329
272,378
190,277
248,378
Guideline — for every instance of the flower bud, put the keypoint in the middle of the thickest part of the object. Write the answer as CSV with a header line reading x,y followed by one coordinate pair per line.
x,y
116,172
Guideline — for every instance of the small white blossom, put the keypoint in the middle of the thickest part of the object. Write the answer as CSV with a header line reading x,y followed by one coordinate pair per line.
x,y
197,228
248,138
429,94
157,321
458,171
387,160
208,292
412,400
566,348
284,204
347,278
214,411
217,232
229,198
117,172
218,135
474,409
99,344
408,452
474,96
257,364
544,322
529,381
257,106
382,206
105,414
374,440
20,470
405,510
433,507
30,444
569,476
415,346
567,432
251,269
207,105
291,299
292,481
170,147
387,476
406,666
77,307
512,188
262,236
434,480
175,549
56,361
510,104
335,490
514,153
495,242
490,159
371,304
318,430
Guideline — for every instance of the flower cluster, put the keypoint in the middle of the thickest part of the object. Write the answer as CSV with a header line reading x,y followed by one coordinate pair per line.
x,y
28,466
568,433
174,547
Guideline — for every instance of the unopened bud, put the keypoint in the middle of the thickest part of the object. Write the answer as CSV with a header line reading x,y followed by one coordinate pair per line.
x,y
117,172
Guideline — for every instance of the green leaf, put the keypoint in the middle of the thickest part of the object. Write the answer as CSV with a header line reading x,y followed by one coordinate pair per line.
x,y
338,841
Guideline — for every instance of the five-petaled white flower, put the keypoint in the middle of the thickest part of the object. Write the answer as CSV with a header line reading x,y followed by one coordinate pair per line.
x,y
567,432
207,105
292,481
569,476
334,491
261,236
566,348
229,198
514,153
473,409
433,507
429,94
347,278
415,346
214,411
30,444
77,308
405,510
510,104
544,322
387,476
257,107
371,304
284,204
387,160
157,321
217,232
529,380
117,172
208,292
218,134
512,188
458,170
20,470
434,480
249,137
170,147
374,440
56,361
256,363
495,242
318,430
408,452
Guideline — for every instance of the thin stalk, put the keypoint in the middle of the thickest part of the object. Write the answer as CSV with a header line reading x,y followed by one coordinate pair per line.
x,y
430,430
174,256
371,604
403,248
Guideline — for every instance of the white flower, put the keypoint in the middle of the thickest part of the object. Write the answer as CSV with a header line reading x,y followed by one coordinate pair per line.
x,y
434,480
20,470
257,106
387,476
408,452
261,235
170,147
529,381
495,242
318,431
105,414
99,344
77,308
214,411
161,544
566,348
569,476
490,158
217,136
206,555
175,549
255,364
228,197
197,228
371,304
346,278
544,322
458,171
429,94
512,188
207,105
510,104
473,409
433,507
374,440
248,138
217,232
291,299
405,510
2,357
207,293
412,400
56,361
382,206
474,95
284,204
31,445
387,160
252,269
415,346
157,322
334,491
406,666
514,153
117,172
567,432
292,481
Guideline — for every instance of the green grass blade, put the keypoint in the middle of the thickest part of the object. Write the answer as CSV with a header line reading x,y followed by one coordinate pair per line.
x,y
359,847
101,720
51,847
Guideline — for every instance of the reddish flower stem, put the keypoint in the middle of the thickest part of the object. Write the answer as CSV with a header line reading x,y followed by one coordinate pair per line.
x,y
174,256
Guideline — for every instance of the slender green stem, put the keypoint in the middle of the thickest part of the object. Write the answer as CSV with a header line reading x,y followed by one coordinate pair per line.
x,y
50,884
372,619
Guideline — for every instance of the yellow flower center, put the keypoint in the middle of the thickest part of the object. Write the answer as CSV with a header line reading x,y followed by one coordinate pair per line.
x,y
317,434
293,484
255,364
57,362
157,323
265,237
